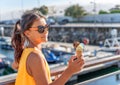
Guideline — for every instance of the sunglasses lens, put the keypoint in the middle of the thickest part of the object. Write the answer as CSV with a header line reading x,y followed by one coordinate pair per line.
x,y
41,29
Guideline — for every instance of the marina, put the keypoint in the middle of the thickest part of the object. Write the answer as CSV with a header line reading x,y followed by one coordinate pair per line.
x,y
94,63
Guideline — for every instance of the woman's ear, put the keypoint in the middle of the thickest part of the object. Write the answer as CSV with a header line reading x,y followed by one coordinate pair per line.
x,y
27,33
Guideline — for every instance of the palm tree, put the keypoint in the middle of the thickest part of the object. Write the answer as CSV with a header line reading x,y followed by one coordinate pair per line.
x,y
43,9
75,11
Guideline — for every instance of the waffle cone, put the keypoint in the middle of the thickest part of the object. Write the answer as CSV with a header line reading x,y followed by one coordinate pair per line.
x,y
79,51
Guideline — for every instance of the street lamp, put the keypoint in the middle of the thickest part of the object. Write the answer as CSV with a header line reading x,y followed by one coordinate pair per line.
x,y
38,3
22,6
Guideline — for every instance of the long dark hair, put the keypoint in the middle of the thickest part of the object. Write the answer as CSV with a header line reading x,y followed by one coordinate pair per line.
x,y
18,38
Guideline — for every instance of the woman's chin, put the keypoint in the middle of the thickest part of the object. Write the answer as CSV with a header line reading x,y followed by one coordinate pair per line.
x,y
40,41
44,40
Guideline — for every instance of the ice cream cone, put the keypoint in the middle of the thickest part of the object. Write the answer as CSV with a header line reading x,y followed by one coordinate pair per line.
x,y
79,51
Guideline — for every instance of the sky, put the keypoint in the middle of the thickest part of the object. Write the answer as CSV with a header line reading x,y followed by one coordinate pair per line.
x,y
9,6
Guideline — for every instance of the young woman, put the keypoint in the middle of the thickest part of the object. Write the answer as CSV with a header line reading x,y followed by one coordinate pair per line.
x,y
33,69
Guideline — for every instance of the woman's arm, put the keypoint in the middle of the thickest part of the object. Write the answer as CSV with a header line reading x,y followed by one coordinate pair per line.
x,y
39,73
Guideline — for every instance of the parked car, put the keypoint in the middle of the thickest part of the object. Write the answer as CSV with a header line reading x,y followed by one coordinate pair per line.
x,y
50,21
64,19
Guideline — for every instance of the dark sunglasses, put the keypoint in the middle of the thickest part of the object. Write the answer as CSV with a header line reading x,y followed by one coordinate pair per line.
x,y
41,29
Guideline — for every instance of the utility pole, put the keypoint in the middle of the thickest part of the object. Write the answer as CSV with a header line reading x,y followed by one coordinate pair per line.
x,y
94,10
38,2
22,6
94,16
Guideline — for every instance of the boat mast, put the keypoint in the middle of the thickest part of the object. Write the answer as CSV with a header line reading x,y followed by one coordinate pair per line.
x,y
2,31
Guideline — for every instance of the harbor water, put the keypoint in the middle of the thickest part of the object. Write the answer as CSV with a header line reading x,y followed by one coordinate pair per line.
x,y
7,53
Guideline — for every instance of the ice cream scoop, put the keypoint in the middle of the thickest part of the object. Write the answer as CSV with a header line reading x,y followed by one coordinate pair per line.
x,y
78,48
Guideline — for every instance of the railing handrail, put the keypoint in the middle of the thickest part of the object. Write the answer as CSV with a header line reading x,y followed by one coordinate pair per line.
x,y
89,64
11,78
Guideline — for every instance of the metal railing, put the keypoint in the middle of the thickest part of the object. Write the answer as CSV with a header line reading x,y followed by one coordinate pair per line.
x,y
96,65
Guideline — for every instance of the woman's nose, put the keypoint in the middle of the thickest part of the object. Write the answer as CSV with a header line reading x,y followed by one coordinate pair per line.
x,y
46,31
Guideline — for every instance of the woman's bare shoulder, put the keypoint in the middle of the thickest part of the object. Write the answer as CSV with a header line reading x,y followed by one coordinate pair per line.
x,y
35,55
34,61
35,58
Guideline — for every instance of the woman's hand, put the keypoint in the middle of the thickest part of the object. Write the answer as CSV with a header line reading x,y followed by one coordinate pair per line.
x,y
75,64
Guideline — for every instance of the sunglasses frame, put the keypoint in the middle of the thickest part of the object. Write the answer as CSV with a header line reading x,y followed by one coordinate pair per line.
x,y
41,28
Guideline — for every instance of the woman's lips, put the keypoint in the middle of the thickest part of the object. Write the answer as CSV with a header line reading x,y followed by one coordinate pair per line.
x,y
44,36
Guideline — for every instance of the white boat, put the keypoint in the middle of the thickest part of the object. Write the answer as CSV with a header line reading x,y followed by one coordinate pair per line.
x,y
112,49
2,40
112,44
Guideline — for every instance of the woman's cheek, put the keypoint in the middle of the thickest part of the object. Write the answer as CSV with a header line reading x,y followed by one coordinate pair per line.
x,y
37,41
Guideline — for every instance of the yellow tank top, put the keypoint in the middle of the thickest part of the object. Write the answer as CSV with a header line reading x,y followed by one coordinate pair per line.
x,y
23,78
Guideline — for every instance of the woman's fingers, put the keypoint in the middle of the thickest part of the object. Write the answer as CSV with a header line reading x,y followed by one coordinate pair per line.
x,y
79,62
72,59
79,59
76,64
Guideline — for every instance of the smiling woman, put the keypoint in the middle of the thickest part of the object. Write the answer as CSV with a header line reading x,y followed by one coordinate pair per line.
x,y
32,66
